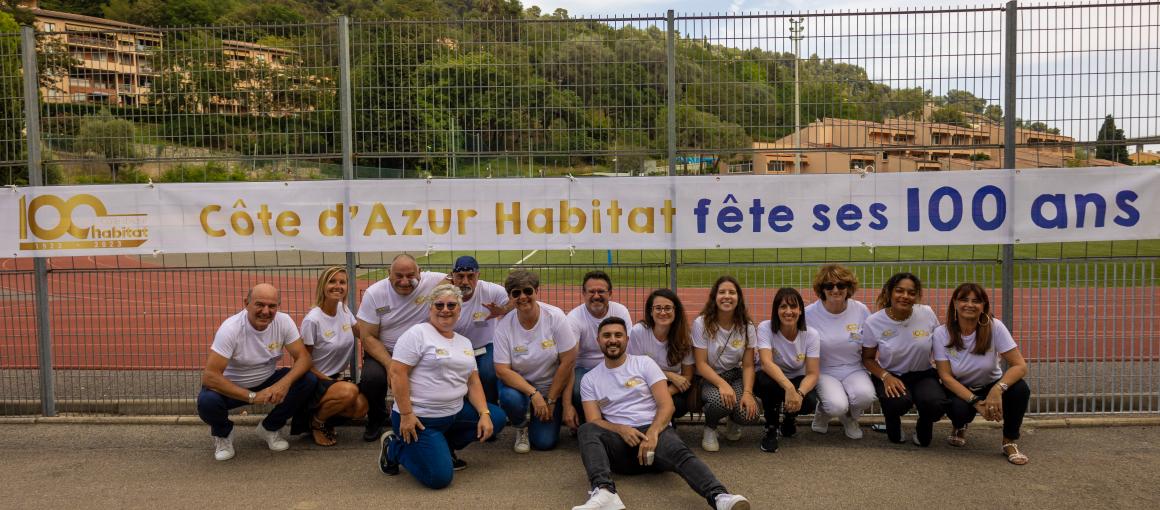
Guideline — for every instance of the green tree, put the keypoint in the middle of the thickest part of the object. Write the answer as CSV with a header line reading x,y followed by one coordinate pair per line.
x,y
965,101
86,7
1110,144
109,138
168,13
949,115
1042,128
12,140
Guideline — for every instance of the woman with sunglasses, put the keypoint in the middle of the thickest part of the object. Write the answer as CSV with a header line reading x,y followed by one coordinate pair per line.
x,y
329,333
844,389
535,351
967,350
723,342
433,369
896,349
789,366
663,335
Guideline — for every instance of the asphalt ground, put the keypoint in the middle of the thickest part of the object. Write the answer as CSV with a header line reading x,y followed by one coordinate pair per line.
x,y
119,465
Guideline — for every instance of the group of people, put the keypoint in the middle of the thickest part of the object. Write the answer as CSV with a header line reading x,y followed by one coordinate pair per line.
x,y
465,358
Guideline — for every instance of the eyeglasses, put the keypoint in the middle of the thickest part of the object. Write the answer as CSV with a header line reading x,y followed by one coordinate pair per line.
x,y
832,286
527,291
449,305
663,309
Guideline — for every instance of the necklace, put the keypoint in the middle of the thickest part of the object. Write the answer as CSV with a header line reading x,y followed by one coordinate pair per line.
x,y
890,314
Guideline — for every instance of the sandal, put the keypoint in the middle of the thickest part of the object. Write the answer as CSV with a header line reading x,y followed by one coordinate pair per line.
x,y
323,434
958,438
1016,457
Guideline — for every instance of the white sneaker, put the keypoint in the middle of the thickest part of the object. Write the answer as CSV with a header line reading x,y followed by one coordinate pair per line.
x,y
272,438
732,430
522,445
850,426
709,440
601,499
732,502
223,447
821,423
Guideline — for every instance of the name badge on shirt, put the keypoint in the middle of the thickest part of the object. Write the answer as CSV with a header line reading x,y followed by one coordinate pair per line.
x,y
478,316
887,333
633,382
383,310
520,349
548,343
920,333
345,327
469,352
327,334
441,353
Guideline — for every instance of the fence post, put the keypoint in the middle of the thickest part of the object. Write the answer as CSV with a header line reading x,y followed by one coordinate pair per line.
x,y
671,124
1009,80
36,178
346,116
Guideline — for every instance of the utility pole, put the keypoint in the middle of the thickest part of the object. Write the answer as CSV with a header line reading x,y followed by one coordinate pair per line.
x,y
796,36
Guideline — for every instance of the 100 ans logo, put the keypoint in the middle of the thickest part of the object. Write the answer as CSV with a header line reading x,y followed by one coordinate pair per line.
x,y
96,230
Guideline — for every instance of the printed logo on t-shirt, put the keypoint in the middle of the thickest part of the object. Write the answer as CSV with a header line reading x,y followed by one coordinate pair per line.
x,y
478,316
548,343
274,346
888,333
634,381
920,333
801,356
345,328
383,310
954,353
735,343
442,353
520,349
327,334
851,327
420,300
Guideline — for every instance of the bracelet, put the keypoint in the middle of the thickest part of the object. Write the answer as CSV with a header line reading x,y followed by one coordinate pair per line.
x,y
485,411
885,373
533,393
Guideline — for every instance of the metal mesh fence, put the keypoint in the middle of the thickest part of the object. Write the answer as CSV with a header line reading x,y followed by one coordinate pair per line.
x,y
548,95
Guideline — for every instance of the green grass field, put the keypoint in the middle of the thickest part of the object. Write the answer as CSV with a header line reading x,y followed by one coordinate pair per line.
x,y
1041,265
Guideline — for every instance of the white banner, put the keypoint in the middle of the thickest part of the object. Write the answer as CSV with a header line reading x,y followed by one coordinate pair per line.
x,y
897,209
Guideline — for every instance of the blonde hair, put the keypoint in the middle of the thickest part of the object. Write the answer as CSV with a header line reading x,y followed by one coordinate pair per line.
x,y
837,272
320,289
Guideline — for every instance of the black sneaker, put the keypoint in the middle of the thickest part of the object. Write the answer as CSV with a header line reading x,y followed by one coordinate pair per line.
x,y
457,464
385,464
788,427
769,441
374,431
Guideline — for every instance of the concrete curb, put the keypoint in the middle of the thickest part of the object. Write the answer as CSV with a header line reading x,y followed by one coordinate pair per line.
x,y
1047,422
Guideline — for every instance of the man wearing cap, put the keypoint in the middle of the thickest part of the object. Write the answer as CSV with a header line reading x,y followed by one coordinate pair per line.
x,y
596,289
388,309
482,302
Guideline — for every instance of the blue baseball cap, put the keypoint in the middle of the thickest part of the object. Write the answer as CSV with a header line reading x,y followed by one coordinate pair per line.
x,y
465,263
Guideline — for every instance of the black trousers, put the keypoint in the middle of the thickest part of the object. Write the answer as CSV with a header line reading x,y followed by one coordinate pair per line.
x,y
923,392
373,384
772,397
1015,401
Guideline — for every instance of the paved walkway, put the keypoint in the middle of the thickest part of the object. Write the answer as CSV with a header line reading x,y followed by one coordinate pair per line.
x,y
171,466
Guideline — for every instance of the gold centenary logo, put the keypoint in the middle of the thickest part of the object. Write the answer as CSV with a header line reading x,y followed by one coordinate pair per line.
x,y
82,221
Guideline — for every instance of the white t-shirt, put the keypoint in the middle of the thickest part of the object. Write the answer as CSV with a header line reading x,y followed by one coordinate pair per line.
x,y
586,327
473,322
787,355
253,354
624,393
840,336
642,341
974,369
442,367
332,338
902,346
727,347
535,353
395,313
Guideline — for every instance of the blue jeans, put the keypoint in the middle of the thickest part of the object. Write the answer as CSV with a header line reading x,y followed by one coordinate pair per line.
x,y
214,408
543,435
428,459
486,368
578,374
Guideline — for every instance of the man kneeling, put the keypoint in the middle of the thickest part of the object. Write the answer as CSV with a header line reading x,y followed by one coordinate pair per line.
x,y
628,408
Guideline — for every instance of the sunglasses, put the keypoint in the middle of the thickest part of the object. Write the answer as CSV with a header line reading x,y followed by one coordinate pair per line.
x,y
527,291
450,305
832,286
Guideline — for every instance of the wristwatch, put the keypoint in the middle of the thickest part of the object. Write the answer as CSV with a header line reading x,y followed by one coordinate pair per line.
x,y
1003,387
974,400
550,401
251,396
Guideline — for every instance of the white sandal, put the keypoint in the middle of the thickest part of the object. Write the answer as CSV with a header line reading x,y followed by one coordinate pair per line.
x,y
1017,457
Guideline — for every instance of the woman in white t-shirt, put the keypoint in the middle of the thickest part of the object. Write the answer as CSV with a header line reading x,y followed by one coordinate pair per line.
x,y
535,352
844,388
967,351
723,341
329,333
789,366
432,371
896,350
663,335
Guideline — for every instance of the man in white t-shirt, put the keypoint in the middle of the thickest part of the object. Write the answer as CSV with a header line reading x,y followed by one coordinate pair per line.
x,y
627,403
242,370
596,287
483,302
388,309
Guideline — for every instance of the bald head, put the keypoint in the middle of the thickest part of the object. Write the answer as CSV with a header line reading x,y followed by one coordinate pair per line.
x,y
262,303
404,274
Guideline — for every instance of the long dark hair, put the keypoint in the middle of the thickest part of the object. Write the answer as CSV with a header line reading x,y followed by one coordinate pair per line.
x,y
677,341
983,332
740,314
792,296
883,301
